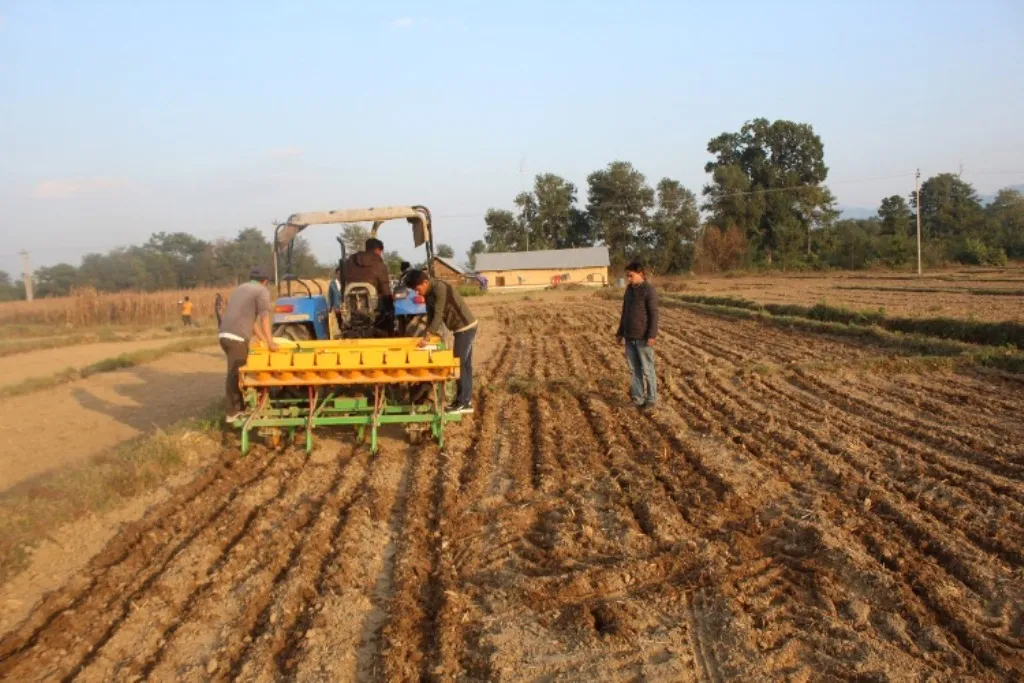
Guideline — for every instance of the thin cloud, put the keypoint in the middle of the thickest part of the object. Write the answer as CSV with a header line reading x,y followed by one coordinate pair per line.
x,y
287,152
402,23
63,188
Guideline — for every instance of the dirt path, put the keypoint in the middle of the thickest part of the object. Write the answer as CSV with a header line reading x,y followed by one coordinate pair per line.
x,y
72,423
773,520
47,362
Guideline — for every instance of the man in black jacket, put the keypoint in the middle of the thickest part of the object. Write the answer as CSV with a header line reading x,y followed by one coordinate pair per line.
x,y
638,328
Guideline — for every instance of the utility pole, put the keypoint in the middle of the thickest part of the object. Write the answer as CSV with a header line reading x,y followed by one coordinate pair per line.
x,y
26,274
917,189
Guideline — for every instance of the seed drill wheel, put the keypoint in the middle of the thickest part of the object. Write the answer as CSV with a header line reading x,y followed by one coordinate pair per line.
x,y
414,435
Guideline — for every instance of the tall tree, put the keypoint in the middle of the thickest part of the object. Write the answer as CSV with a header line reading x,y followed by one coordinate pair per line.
x,y
668,236
8,290
581,230
1007,215
949,207
478,247
445,251
393,260
895,215
304,262
354,236
250,248
767,179
555,198
182,251
503,232
527,220
619,201
56,280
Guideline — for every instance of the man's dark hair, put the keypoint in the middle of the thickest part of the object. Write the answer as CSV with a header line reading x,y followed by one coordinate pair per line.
x,y
373,244
186,298
404,266
416,278
635,267
259,273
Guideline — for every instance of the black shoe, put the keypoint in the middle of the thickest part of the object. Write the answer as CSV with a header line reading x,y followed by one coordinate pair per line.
x,y
460,408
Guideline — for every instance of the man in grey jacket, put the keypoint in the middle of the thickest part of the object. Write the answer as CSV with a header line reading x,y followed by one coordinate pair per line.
x,y
638,328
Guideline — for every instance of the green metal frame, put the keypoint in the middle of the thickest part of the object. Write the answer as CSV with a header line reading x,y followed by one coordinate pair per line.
x,y
316,411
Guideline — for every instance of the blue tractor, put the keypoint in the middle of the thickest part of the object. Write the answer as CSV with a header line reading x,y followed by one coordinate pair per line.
x,y
302,315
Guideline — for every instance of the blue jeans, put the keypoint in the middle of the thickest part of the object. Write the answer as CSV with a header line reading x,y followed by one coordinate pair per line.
x,y
641,364
464,352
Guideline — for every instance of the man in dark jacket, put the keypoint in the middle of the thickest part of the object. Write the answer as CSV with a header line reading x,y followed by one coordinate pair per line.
x,y
638,328
369,267
446,306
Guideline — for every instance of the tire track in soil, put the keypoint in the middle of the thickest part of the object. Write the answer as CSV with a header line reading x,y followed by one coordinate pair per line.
x,y
620,471
216,482
752,528
794,644
545,549
323,627
950,470
961,515
405,637
213,616
67,650
941,410
923,575
270,610
170,597
938,437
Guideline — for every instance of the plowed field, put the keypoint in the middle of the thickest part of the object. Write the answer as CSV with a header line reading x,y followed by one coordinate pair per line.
x,y
784,514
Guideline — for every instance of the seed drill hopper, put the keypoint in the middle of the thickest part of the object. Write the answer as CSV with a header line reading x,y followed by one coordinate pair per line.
x,y
362,383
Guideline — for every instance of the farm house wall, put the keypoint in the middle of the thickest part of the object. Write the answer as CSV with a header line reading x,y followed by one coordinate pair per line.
x,y
446,272
593,275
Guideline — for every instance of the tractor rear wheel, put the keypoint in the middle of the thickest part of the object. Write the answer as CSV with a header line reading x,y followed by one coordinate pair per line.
x,y
416,326
293,332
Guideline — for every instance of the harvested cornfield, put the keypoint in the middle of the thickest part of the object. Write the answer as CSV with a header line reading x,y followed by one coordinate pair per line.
x,y
798,507
976,294
87,307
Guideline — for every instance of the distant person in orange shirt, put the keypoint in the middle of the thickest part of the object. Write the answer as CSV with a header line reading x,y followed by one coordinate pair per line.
x,y
186,312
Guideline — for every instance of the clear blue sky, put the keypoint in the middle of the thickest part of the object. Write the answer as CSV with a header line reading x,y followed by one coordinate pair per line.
x,y
118,119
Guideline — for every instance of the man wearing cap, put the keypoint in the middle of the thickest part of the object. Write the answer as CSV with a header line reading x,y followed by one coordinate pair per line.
x,y
247,313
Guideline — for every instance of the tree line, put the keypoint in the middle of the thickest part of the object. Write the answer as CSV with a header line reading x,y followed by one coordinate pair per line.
x,y
766,204
174,260
178,260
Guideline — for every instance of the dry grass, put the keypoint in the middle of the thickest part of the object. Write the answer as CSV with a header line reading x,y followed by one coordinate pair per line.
x,y
29,514
89,308
958,294
16,345
125,360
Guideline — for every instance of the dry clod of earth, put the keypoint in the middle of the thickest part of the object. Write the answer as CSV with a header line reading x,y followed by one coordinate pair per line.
x,y
779,518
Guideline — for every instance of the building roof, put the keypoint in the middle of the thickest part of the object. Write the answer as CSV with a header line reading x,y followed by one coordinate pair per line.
x,y
545,259
451,264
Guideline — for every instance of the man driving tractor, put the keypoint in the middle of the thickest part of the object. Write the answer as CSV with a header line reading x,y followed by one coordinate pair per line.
x,y
368,267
